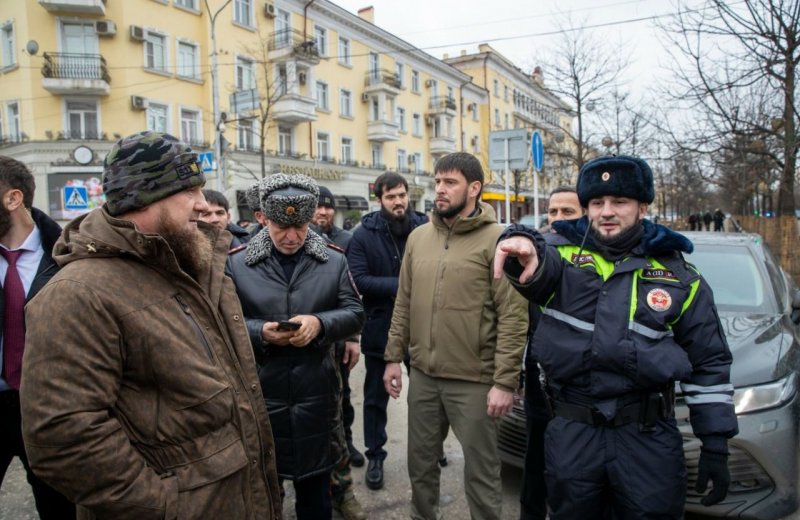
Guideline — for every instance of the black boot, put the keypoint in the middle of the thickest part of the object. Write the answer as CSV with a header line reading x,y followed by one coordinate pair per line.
x,y
374,477
356,457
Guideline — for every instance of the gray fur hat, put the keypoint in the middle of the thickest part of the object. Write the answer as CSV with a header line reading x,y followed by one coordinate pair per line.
x,y
289,199
252,196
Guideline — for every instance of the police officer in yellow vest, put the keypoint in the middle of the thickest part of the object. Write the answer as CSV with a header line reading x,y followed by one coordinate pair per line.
x,y
624,317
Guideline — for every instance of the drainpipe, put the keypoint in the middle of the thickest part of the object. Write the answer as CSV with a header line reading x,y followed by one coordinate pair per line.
x,y
461,114
305,37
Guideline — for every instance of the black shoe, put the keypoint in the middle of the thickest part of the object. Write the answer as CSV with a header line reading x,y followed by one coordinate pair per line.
x,y
443,461
356,458
374,477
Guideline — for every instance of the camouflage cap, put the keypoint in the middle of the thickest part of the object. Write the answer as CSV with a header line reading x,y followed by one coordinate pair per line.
x,y
146,167
289,199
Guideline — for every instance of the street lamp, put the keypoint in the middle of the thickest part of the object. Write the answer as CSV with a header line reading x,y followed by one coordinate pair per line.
x,y
608,143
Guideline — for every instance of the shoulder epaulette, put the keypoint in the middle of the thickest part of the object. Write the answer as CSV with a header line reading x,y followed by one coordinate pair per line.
x,y
335,247
237,249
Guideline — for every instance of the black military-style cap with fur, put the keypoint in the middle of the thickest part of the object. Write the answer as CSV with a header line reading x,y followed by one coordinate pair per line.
x,y
616,175
289,199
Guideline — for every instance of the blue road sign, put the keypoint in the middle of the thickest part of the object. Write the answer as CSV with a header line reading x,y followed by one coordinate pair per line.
x,y
537,151
207,161
76,197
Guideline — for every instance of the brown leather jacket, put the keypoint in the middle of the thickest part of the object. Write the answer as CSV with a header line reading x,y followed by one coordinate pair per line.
x,y
139,394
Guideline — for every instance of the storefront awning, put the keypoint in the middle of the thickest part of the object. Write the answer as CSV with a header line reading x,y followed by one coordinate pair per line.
x,y
489,195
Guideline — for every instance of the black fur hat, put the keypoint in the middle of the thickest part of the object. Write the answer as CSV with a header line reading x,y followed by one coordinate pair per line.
x,y
617,175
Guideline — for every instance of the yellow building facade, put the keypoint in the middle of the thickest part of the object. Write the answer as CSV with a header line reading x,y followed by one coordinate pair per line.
x,y
258,87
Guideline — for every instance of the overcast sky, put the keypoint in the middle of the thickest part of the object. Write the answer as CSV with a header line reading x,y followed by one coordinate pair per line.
x,y
516,28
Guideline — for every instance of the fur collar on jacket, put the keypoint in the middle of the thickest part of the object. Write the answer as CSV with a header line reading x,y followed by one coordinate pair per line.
x,y
657,239
260,247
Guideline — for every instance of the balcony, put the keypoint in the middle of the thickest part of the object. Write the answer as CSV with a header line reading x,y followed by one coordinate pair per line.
x,y
382,131
290,44
442,105
381,80
65,73
442,145
96,7
294,108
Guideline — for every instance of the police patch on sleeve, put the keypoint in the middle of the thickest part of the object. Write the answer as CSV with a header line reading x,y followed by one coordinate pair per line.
x,y
659,300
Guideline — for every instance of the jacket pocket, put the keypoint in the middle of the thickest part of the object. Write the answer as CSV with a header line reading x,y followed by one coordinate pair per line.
x,y
215,486
660,362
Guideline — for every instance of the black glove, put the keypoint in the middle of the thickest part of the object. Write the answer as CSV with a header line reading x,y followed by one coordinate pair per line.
x,y
713,466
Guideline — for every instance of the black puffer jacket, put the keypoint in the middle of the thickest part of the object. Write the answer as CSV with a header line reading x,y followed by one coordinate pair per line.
x,y
300,385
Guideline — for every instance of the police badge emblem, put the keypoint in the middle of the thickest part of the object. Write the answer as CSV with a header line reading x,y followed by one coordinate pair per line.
x,y
659,300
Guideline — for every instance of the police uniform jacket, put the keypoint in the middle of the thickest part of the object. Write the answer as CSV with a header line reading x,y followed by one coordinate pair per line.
x,y
614,329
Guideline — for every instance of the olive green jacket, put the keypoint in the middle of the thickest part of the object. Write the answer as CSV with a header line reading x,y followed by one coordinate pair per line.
x,y
454,319
140,398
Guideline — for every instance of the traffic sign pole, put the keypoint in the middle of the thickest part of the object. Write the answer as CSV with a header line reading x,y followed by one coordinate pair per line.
x,y
537,162
508,198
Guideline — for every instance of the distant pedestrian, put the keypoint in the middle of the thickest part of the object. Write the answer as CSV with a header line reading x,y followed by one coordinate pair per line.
x,y
218,214
693,222
719,220
707,218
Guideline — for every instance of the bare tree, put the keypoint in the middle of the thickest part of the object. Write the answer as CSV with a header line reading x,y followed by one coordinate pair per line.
x,y
735,70
583,70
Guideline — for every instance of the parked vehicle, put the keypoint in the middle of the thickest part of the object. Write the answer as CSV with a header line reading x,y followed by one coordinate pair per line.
x,y
759,307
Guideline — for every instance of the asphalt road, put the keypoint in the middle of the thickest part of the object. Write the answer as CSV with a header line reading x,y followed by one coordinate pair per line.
x,y
392,502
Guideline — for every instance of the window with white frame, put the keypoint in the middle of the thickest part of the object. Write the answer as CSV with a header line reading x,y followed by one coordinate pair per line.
x,y
416,124
345,103
321,39
322,96
375,109
450,93
505,116
476,144
505,92
415,81
282,87
346,155
402,160
13,122
475,112
416,164
496,88
246,135
82,119
400,118
399,70
496,117
188,60
323,146
377,155
243,12
155,51
245,73
157,117
344,51
190,126
8,56
284,140
189,4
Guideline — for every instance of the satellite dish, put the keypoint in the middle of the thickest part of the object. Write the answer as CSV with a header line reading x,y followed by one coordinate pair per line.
x,y
32,47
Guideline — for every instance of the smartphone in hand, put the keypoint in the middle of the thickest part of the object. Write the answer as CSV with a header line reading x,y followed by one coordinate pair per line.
x,y
287,325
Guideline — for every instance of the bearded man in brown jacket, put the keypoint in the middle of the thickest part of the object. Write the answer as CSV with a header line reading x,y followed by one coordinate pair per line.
x,y
143,401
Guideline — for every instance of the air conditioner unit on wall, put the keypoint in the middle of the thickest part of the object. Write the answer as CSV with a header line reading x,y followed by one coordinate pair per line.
x,y
105,28
474,140
138,33
364,97
139,103
429,120
269,10
301,77
430,82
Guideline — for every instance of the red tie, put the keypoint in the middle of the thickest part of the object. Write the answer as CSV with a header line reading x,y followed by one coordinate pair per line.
x,y
13,320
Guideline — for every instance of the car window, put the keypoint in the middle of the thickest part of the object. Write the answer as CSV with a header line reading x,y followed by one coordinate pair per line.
x,y
734,275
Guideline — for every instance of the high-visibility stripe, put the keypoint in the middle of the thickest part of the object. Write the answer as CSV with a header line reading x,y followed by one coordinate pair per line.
x,y
566,318
647,331
689,388
708,399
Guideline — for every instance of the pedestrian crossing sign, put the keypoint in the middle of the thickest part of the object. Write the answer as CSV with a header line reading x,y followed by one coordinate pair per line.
x,y
206,161
76,197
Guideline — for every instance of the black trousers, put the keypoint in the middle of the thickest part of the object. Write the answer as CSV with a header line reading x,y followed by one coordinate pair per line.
x,y
375,401
50,504
313,498
533,495
348,412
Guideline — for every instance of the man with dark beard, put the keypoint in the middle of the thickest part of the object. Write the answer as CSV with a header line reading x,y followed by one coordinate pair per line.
x,y
374,255
465,334
27,237
144,402
624,317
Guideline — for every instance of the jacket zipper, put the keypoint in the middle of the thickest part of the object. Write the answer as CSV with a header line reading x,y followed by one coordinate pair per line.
x,y
394,243
195,325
